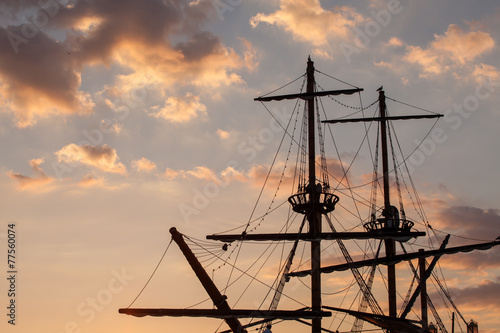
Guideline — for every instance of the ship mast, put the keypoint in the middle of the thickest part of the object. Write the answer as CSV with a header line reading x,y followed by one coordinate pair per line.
x,y
314,216
388,212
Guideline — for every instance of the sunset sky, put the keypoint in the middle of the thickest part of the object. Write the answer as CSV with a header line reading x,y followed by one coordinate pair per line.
x,y
120,119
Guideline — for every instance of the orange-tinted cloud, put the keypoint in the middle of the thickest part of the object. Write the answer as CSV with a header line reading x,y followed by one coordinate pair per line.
x,y
202,173
101,157
471,222
181,109
482,296
40,180
143,165
471,225
40,79
199,172
483,72
256,175
139,38
157,44
461,46
91,181
223,134
171,174
309,22
454,48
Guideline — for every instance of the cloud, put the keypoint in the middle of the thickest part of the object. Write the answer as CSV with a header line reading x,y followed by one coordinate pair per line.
x,y
470,222
199,172
92,181
25,87
394,41
206,174
454,48
141,39
430,62
181,109
256,175
462,47
477,260
482,296
309,22
471,225
222,134
202,173
143,165
484,72
101,157
40,180
250,55
171,174
158,44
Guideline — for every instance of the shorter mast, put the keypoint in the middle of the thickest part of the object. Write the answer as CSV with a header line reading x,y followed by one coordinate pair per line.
x,y
423,294
223,310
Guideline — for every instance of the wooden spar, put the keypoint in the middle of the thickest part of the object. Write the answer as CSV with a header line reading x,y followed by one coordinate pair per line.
x,y
323,236
387,322
308,95
400,257
231,314
356,120
214,293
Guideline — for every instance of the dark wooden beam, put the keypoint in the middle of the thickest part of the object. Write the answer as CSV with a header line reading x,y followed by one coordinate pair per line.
x,y
356,120
308,95
386,322
322,236
214,293
225,314
401,257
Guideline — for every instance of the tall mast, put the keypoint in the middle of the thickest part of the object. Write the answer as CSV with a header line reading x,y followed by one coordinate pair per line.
x,y
314,216
388,213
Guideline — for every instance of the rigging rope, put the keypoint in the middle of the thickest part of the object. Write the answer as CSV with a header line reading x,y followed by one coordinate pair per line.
x,y
358,323
284,278
394,162
154,271
373,198
332,77
359,279
264,185
412,106
429,301
448,296
245,272
289,83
